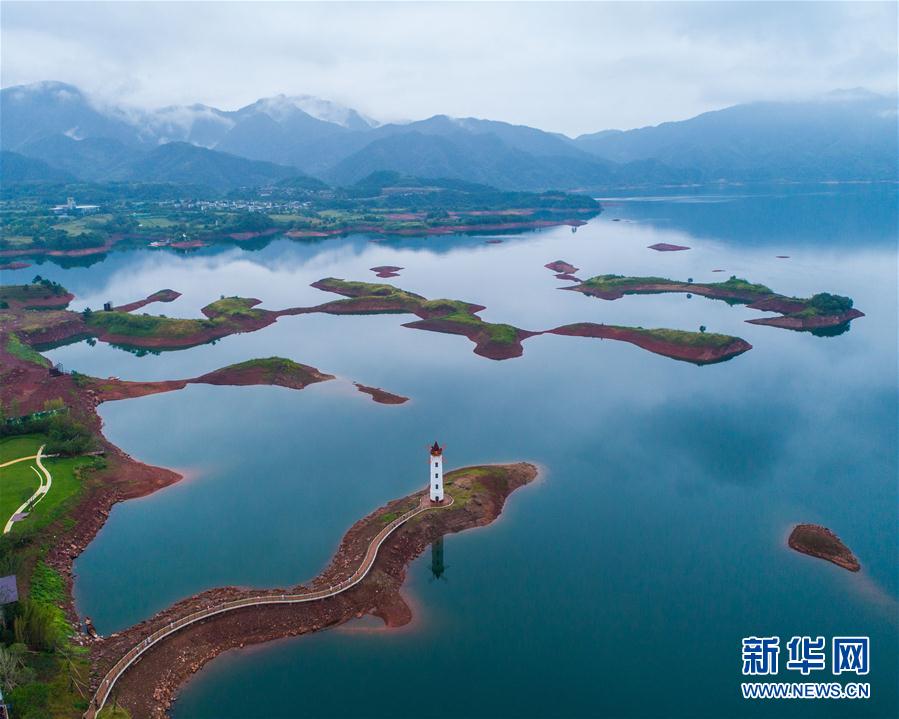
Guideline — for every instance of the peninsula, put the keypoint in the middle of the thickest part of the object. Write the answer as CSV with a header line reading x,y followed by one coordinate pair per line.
x,y
147,688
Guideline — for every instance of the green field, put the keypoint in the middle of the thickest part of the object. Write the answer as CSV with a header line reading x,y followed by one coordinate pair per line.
x,y
18,482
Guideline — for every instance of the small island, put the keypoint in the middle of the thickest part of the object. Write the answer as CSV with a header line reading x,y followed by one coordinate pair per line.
x,y
819,312
561,267
817,541
387,271
666,247
271,371
381,396
699,348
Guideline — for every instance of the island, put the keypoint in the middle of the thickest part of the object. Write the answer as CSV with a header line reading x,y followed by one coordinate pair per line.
x,y
817,541
387,271
561,267
666,247
381,396
699,348
822,311
272,371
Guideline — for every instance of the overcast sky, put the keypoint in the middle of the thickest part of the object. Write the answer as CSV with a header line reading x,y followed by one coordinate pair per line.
x,y
570,68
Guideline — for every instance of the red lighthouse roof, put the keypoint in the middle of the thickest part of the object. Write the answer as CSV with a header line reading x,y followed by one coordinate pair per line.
x,y
436,450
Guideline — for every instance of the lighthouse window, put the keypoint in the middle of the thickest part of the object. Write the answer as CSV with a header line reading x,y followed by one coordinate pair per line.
x,y
435,475
435,464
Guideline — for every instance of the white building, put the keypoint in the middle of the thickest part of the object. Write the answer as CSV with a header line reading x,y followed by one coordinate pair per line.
x,y
71,208
435,475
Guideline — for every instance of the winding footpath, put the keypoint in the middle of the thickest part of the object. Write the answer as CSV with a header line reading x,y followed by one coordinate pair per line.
x,y
39,493
368,561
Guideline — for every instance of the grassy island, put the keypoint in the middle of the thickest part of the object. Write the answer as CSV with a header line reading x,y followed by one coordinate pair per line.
x,y
816,313
698,348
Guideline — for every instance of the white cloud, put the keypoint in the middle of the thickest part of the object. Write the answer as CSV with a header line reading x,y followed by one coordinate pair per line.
x,y
567,67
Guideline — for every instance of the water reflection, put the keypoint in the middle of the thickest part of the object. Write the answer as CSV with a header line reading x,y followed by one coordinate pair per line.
x,y
437,565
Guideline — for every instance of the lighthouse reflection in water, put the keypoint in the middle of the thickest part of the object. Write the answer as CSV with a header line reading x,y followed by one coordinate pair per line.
x,y
437,565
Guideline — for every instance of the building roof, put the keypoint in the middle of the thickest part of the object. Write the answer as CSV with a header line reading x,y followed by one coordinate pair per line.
x,y
436,450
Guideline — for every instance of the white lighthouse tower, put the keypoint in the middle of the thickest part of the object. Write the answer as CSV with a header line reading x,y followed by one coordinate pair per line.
x,y
435,474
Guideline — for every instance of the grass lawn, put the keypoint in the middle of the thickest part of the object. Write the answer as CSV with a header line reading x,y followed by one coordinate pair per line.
x,y
18,481
22,446
155,222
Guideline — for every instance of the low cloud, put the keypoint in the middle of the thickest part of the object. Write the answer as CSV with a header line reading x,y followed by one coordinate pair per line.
x,y
571,68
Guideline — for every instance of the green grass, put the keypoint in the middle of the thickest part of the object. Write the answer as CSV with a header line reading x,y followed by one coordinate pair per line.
x,y
17,483
736,284
388,517
155,222
23,293
144,325
232,307
684,338
24,445
19,349
622,284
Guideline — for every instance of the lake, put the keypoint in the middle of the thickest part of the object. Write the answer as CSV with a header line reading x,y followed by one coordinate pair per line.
x,y
622,583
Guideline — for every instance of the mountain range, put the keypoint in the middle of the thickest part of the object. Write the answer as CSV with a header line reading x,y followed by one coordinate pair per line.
x,y
842,136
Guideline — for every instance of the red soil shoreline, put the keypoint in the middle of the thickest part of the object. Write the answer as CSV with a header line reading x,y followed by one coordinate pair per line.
x,y
665,247
381,396
686,353
817,541
561,267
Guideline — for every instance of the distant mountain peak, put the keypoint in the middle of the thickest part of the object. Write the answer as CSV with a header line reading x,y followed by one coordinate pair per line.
x,y
282,107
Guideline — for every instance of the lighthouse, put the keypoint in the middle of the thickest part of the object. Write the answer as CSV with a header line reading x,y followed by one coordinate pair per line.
x,y
435,474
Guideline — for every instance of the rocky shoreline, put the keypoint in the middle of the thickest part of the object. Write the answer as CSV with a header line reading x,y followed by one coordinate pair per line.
x,y
817,541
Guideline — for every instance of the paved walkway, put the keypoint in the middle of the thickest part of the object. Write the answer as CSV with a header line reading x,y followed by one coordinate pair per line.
x,y
20,459
113,675
39,493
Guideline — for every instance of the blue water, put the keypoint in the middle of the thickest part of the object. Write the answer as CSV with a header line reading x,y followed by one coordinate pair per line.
x,y
622,583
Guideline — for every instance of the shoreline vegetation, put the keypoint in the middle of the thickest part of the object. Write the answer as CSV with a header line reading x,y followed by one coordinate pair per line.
x,y
181,219
818,313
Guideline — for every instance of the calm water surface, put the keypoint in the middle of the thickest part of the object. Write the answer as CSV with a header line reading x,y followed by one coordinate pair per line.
x,y
619,585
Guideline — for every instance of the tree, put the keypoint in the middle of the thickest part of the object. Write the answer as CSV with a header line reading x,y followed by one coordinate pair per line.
x,y
702,328
13,672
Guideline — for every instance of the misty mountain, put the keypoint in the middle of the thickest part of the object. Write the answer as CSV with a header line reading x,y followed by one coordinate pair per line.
x,y
183,163
94,158
843,135
18,168
479,157
33,112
